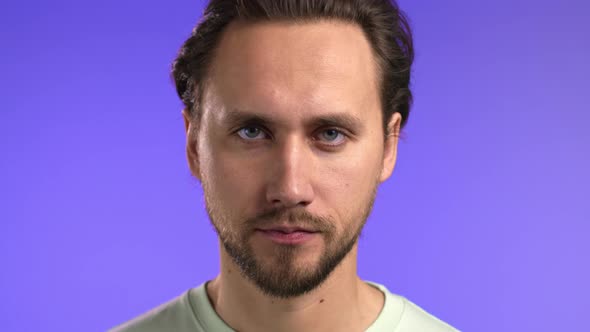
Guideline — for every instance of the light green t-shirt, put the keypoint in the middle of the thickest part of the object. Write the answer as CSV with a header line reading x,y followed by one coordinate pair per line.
x,y
192,312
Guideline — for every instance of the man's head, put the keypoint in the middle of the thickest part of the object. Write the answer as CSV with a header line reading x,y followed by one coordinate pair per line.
x,y
293,110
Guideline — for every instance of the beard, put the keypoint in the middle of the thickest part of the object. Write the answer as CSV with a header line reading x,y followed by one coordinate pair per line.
x,y
282,277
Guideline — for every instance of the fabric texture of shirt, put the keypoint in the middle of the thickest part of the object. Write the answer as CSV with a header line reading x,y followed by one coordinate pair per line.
x,y
192,312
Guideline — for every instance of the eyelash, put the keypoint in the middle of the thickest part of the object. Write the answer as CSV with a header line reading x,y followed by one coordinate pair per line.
x,y
262,130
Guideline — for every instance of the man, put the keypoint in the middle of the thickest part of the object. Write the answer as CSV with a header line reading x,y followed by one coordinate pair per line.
x,y
293,110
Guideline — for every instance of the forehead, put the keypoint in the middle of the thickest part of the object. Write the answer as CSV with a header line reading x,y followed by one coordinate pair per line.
x,y
295,68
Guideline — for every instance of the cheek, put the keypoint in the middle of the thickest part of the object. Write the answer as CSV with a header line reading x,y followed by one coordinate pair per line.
x,y
232,182
346,185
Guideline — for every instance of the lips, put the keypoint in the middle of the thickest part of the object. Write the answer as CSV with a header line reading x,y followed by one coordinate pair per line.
x,y
288,229
288,236
293,236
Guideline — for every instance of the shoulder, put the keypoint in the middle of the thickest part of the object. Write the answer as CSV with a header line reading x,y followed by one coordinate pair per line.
x,y
174,315
416,319
401,315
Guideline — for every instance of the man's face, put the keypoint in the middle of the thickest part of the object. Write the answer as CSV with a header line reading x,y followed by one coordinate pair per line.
x,y
290,138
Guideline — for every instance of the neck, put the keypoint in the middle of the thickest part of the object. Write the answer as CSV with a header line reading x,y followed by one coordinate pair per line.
x,y
343,302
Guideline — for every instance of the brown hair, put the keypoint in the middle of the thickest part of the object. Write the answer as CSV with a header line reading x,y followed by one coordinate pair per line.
x,y
383,23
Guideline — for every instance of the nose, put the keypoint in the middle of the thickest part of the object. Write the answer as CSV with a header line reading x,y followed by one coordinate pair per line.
x,y
290,174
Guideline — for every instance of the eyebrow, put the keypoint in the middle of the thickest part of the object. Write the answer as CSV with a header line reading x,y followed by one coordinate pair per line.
x,y
236,117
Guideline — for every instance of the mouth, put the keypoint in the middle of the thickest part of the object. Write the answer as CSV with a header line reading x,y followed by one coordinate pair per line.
x,y
290,235
287,229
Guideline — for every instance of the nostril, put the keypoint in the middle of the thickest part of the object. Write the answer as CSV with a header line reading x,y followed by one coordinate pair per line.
x,y
289,194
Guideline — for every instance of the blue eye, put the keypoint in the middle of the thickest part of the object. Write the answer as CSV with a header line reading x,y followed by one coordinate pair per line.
x,y
332,136
251,133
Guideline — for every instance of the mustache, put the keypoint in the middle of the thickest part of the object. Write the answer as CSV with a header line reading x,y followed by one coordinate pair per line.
x,y
297,216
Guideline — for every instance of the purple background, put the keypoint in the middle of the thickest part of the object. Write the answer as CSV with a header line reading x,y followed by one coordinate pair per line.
x,y
485,222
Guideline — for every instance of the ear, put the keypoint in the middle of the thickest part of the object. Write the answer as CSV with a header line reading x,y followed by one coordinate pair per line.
x,y
390,146
191,131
